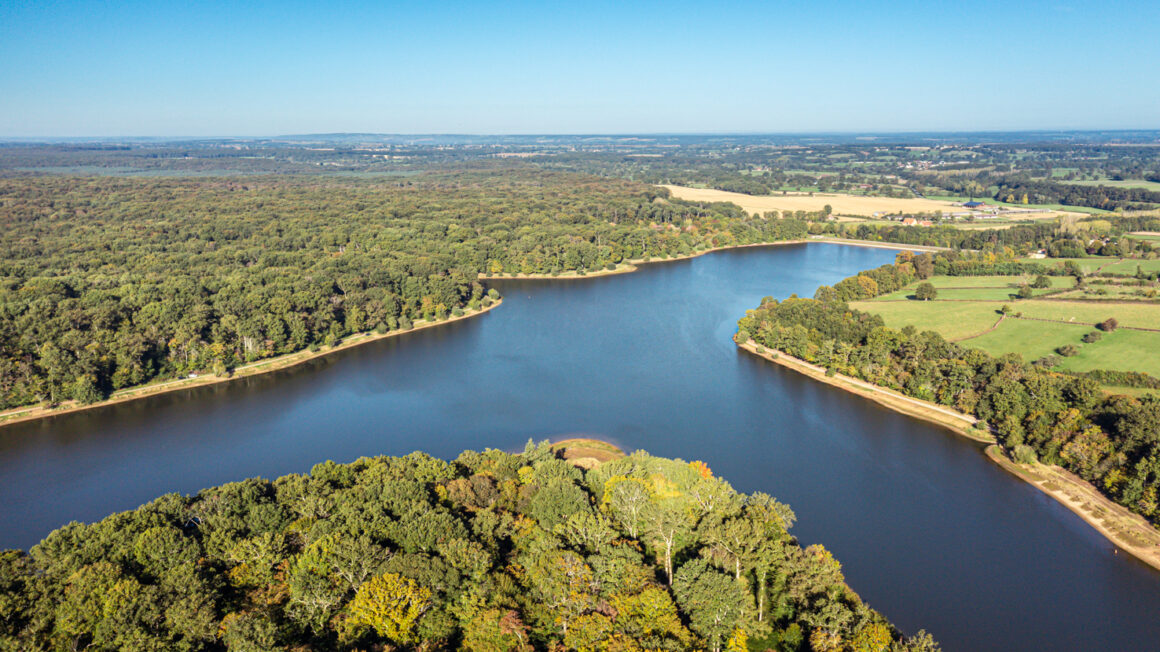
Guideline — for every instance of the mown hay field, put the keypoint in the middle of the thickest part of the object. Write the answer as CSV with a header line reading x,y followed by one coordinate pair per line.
x,y
841,204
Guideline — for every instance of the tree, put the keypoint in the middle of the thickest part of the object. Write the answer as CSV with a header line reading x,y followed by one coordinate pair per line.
x,y
713,601
668,521
390,604
925,292
626,499
1041,282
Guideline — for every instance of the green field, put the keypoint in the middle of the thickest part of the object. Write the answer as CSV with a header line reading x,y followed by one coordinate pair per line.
x,y
1128,267
978,288
970,321
952,319
1122,349
1138,315
1107,265
1126,183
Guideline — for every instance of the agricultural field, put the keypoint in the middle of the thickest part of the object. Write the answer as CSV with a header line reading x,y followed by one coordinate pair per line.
x,y
952,319
1107,265
842,204
1147,236
979,288
1124,183
968,309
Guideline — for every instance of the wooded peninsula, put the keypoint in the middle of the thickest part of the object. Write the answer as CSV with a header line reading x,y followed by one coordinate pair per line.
x,y
491,551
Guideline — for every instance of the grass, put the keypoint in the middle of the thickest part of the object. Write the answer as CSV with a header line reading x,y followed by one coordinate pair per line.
x,y
1128,266
953,320
1126,183
1132,391
970,321
1122,349
1139,315
1112,265
977,288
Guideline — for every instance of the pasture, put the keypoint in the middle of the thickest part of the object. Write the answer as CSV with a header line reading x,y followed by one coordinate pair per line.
x,y
967,311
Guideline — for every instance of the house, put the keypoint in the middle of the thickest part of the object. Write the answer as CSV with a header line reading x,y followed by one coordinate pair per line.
x,y
910,221
973,204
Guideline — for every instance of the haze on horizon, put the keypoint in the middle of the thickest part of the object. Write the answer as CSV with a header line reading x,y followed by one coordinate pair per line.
x,y
215,69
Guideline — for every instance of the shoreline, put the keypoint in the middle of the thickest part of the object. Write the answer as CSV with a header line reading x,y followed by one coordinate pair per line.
x,y
256,368
287,360
631,265
1125,530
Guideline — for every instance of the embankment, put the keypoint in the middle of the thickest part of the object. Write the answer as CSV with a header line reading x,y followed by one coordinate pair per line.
x,y
1128,531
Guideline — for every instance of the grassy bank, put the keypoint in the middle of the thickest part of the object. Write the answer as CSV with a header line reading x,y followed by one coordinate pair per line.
x,y
18,415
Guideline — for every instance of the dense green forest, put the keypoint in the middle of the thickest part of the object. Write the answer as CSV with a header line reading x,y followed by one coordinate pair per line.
x,y
1036,413
490,552
109,282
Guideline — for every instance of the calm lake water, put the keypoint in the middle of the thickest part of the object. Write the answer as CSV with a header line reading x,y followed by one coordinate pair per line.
x,y
927,529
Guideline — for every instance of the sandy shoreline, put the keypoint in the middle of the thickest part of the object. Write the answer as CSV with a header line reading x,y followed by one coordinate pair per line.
x,y
1127,531
285,361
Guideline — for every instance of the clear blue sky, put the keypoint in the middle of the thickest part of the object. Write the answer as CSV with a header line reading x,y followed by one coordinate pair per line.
x,y
258,69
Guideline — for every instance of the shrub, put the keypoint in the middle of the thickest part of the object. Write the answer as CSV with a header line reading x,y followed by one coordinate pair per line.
x,y
925,292
1025,292
457,312
1068,350
1108,325
1041,282
1047,361
1024,454
1093,336
830,372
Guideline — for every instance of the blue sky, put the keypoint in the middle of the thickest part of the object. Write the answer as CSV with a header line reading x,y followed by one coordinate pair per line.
x,y
261,69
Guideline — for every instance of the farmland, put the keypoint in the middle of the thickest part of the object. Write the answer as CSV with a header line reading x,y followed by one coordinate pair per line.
x,y
968,310
841,204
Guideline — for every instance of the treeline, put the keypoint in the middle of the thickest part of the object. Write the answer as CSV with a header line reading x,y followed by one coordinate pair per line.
x,y
490,552
107,283
1020,238
1049,192
1037,414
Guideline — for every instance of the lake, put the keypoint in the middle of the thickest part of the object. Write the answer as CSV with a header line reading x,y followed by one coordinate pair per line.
x,y
927,529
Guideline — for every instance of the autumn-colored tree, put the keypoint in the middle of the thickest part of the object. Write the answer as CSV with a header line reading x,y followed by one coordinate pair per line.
x,y
389,604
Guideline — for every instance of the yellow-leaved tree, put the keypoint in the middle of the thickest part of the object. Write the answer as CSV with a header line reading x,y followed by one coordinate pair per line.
x,y
390,604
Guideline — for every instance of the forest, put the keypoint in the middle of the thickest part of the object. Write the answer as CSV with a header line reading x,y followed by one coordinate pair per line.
x,y
112,282
1036,413
491,551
